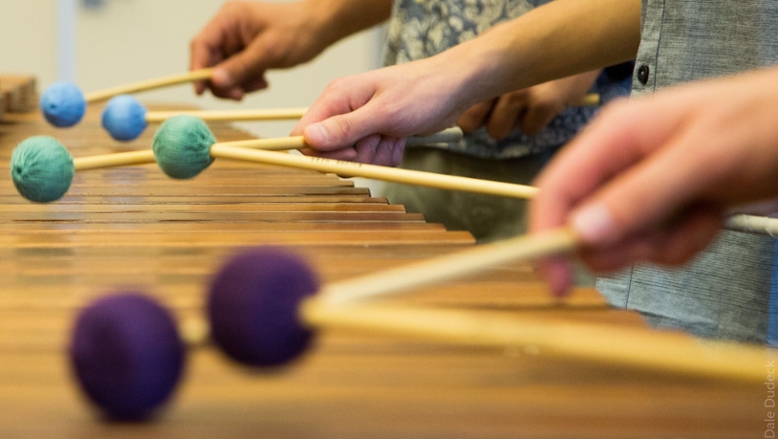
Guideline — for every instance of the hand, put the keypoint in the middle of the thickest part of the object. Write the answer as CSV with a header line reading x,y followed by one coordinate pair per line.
x,y
530,109
650,179
367,117
244,39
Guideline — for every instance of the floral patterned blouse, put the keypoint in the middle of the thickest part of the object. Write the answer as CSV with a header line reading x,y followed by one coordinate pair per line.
x,y
423,28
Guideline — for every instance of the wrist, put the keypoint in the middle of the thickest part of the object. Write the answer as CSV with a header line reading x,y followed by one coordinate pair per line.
x,y
333,20
474,74
320,19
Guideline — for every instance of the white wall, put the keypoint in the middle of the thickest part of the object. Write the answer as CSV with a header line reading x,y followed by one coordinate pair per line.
x,y
28,38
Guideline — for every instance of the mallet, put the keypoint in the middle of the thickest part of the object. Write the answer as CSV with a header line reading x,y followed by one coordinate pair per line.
x,y
185,147
42,168
125,118
263,309
63,104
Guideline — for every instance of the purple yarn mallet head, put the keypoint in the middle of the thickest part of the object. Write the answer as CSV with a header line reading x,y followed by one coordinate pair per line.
x,y
127,355
254,305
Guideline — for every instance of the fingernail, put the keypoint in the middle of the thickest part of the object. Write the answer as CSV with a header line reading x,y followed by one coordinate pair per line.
x,y
593,223
316,134
221,78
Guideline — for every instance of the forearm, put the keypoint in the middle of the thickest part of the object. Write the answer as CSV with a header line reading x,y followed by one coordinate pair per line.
x,y
563,38
341,18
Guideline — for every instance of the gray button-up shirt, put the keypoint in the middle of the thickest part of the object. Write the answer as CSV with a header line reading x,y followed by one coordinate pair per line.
x,y
724,292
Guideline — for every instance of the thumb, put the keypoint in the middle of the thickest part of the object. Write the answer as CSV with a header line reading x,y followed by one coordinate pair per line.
x,y
341,131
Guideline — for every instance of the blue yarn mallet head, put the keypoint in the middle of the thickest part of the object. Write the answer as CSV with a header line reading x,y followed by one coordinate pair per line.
x,y
127,355
63,104
182,146
124,118
42,169
253,307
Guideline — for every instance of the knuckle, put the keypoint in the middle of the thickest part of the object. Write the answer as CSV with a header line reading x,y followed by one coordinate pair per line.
x,y
274,51
546,105
386,113
514,99
337,84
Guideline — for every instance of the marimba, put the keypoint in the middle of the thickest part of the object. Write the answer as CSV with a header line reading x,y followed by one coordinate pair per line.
x,y
136,228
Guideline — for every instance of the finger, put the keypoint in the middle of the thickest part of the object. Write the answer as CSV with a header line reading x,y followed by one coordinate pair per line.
x,y
505,114
338,98
205,49
341,130
653,189
346,154
383,155
243,67
691,235
620,136
537,118
399,151
366,148
202,56
558,273
475,117
613,258
239,91
673,245
258,83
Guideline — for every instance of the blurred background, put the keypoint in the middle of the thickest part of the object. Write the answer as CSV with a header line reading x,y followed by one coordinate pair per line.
x,y
104,43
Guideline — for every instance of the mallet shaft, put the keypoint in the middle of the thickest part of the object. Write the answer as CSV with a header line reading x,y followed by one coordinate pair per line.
x,y
114,160
610,344
449,267
150,84
229,115
429,179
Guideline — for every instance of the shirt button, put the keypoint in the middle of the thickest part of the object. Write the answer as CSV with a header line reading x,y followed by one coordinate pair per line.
x,y
643,74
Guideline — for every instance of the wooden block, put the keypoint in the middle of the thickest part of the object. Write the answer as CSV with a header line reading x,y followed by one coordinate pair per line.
x,y
19,92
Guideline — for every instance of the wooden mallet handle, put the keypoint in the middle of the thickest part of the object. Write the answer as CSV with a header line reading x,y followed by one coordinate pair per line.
x,y
450,267
352,169
150,84
232,150
644,349
742,223
339,305
590,100
229,115
114,160
274,114
278,144
449,135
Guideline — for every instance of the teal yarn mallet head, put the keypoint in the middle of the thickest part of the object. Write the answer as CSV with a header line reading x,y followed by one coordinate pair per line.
x,y
42,169
182,146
